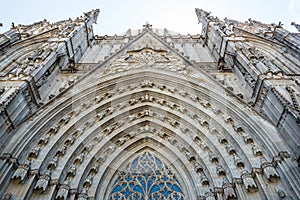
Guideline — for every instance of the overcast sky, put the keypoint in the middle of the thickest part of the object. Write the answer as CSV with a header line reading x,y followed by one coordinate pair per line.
x,y
116,16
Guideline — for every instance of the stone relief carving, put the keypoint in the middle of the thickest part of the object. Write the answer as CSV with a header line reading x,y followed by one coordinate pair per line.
x,y
198,168
147,57
230,149
204,179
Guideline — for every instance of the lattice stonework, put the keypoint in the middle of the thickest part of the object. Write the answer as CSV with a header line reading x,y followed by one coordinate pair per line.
x,y
146,178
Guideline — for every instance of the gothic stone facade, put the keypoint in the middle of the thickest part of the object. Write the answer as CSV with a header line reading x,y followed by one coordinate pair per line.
x,y
149,114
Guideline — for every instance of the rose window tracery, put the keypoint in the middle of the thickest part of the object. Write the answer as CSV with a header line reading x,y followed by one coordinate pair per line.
x,y
146,178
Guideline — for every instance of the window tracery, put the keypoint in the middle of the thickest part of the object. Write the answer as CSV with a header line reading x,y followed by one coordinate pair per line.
x,y
146,178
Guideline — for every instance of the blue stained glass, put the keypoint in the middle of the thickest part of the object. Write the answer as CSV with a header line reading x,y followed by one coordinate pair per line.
x,y
176,188
158,163
139,189
127,192
150,182
147,177
131,185
143,184
166,192
117,189
128,178
155,188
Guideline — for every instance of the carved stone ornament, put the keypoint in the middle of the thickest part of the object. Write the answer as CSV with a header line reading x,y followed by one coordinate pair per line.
x,y
249,182
209,195
83,195
147,57
43,181
63,190
22,171
204,179
297,26
88,181
220,170
7,196
282,195
269,171
229,192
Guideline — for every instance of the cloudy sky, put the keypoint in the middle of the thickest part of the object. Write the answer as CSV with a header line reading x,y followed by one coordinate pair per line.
x,y
116,16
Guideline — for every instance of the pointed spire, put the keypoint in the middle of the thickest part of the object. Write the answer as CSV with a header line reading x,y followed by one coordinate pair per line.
x,y
93,14
297,26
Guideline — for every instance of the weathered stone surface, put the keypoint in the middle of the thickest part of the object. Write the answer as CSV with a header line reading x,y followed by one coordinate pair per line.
x,y
207,116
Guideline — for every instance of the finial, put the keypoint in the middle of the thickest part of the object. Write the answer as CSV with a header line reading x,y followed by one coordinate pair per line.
x,y
297,26
147,25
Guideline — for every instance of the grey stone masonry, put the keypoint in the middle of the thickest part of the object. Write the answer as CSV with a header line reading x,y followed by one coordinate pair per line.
x,y
266,60
34,55
149,113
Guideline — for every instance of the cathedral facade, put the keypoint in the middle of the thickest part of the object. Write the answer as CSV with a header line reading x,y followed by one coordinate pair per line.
x,y
150,114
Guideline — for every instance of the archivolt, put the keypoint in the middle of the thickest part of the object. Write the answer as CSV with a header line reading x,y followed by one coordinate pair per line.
x,y
205,134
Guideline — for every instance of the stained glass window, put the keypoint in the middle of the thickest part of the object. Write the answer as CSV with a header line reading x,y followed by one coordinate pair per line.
x,y
146,178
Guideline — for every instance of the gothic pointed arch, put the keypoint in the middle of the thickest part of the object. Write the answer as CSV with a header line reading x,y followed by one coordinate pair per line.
x,y
148,123
146,177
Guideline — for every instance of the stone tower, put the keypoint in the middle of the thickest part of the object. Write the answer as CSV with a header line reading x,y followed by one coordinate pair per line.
x,y
149,114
